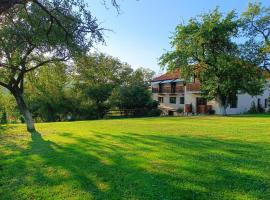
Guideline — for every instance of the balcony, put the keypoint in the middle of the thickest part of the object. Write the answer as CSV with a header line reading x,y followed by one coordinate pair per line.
x,y
193,87
169,90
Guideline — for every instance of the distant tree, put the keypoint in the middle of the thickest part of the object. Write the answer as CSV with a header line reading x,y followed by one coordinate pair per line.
x,y
97,75
142,76
31,37
256,27
205,47
136,98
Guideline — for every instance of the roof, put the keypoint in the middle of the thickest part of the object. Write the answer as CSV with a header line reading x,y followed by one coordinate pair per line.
x,y
168,76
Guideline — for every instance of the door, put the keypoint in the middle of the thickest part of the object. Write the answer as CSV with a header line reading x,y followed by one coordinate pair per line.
x,y
201,105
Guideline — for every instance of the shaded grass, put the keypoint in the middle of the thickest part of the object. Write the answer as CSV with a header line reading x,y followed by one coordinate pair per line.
x,y
151,158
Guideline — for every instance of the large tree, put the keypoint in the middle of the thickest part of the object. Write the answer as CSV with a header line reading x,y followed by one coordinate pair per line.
x,y
206,47
5,5
256,27
31,37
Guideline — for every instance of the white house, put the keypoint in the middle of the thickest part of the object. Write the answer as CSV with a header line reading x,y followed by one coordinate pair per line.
x,y
174,94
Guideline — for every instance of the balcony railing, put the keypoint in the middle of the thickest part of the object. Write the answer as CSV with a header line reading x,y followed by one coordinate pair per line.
x,y
168,90
193,87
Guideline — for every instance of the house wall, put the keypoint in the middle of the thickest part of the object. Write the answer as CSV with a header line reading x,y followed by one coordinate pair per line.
x,y
244,103
166,105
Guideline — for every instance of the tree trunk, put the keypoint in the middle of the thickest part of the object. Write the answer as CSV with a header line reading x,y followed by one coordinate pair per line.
x,y
222,110
24,110
222,105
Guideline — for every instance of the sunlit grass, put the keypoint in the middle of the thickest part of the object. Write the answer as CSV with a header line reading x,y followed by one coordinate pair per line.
x,y
147,158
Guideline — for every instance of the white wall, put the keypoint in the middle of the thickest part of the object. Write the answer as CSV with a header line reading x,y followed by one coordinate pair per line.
x,y
244,103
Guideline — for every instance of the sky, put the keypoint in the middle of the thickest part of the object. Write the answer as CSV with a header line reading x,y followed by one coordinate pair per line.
x,y
141,32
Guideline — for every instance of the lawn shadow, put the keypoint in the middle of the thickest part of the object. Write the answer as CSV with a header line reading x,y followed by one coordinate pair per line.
x,y
134,166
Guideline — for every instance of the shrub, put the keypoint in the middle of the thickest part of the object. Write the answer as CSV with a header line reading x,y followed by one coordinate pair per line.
x,y
154,112
4,118
211,112
180,110
253,108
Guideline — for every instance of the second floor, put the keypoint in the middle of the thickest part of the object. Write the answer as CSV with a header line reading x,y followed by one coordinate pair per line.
x,y
170,83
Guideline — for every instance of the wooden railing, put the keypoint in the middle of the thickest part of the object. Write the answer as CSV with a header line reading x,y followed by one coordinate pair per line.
x,y
169,90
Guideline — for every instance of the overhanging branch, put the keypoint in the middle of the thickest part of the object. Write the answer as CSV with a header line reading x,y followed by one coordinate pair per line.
x,y
45,62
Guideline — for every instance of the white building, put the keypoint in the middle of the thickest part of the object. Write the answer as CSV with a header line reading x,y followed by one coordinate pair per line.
x,y
174,94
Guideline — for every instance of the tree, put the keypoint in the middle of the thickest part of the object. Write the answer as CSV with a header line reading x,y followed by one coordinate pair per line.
x,y
205,47
142,76
5,5
31,37
134,99
97,75
256,27
46,92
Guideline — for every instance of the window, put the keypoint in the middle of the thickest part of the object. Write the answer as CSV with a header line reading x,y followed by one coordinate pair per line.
x,y
259,105
173,100
266,103
182,100
160,99
234,102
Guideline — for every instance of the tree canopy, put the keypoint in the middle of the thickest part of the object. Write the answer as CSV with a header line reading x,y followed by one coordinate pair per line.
x,y
206,47
256,27
32,36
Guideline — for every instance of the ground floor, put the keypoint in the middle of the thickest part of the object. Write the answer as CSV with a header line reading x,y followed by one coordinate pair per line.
x,y
174,104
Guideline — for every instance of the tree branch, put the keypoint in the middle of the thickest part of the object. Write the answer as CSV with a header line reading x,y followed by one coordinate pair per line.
x,y
46,62
4,85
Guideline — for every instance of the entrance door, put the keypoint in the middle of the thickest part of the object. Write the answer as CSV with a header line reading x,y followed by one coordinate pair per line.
x,y
201,105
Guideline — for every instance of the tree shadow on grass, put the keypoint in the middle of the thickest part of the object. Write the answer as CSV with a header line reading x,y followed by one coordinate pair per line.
x,y
134,166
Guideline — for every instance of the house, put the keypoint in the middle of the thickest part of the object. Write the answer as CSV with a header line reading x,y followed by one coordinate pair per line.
x,y
175,94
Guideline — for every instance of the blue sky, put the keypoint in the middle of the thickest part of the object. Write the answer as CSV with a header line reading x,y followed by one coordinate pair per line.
x,y
141,31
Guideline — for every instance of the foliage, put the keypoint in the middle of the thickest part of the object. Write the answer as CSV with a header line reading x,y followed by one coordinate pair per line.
x,y
9,107
256,27
103,80
205,47
96,76
38,33
147,158
4,119
134,97
46,92
253,108
180,110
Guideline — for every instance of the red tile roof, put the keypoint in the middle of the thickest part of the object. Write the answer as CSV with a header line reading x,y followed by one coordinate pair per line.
x,y
168,76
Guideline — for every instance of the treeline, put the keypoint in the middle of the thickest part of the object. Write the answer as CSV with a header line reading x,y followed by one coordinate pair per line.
x,y
86,88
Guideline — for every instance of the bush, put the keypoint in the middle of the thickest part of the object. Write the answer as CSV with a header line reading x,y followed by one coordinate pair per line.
x,y
180,110
4,118
154,113
253,108
211,112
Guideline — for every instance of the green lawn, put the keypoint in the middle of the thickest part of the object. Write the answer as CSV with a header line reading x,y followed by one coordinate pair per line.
x,y
147,158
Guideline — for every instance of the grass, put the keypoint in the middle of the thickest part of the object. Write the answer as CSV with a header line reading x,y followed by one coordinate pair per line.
x,y
147,158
